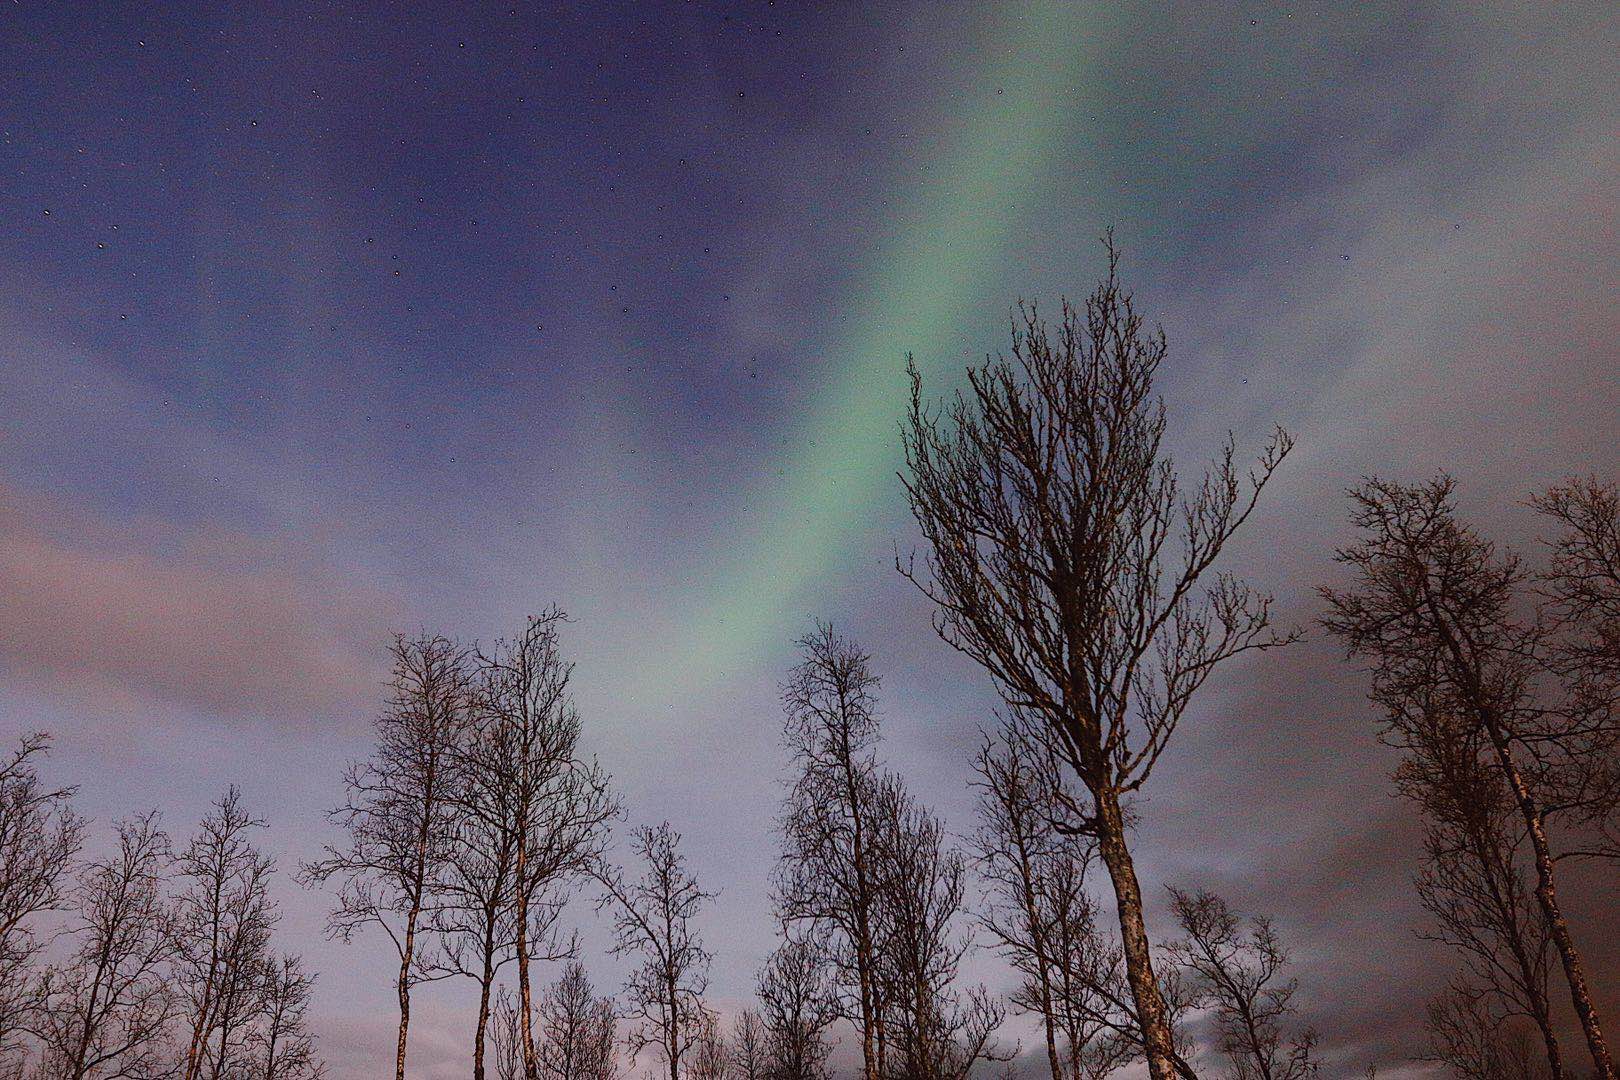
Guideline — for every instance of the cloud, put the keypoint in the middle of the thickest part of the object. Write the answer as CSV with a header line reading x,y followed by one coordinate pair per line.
x,y
111,611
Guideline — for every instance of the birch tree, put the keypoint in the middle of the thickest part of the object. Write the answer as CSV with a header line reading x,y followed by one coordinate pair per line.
x,y
397,813
1064,557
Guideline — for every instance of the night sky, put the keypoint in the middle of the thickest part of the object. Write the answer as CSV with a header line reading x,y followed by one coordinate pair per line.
x,y
320,322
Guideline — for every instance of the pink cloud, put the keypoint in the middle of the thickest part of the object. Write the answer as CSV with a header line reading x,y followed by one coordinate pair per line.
x,y
106,612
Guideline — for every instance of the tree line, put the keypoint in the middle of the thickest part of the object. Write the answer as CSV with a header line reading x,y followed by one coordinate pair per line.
x,y
1068,558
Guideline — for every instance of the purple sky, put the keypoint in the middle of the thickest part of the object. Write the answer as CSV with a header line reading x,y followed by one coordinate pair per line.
x,y
318,323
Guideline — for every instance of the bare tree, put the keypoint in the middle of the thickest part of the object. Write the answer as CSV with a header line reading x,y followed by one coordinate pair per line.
x,y
750,1048
1238,972
1064,559
709,1057
39,836
1470,1039
281,1045
475,913
506,1037
107,1011
1582,587
579,1030
799,1005
935,1031
397,811
826,881
223,920
1432,611
1475,882
1584,580
652,921
556,806
1038,911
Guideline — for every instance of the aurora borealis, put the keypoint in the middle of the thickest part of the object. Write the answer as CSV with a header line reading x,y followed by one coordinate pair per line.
x,y
329,321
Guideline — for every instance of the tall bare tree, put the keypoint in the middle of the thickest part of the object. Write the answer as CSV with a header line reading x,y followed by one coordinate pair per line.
x,y
1469,1037
710,1056
1432,610
652,921
1475,881
1064,559
1038,911
827,881
39,836
798,1004
107,1011
557,806
935,1031
223,921
506,1037
1238,972
579,1029
750,1047
1582,587
397,812
281,1044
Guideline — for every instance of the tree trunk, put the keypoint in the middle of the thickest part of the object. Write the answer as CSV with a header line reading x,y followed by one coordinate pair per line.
x,y
1472,683
1151,1013
404,988
485,984
1547,895
531,1068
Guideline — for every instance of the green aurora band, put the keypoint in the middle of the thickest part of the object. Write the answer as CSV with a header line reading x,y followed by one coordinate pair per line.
x,y
962,223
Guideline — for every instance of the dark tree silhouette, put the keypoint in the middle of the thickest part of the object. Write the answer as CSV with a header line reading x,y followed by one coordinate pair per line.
x,y
750,1048
107,1011
557,806
1475,881
398,812
827,882
579,1029
798,1004
281,1044
1470,1039
39,837
652,921
1432,610
223,921
1238,973
935,1031
1064,559
1038,912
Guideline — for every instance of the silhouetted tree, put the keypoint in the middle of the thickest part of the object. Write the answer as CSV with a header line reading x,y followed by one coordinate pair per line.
x,y
578,1028
506,1037
935,1031
1238,973
1474,881
281,1045
39,836
106,1012
557,806
710,1057
1038,911
652,921
1472,1040
798,1004
223,920
826,882
750,1048
1064,559
397,812
1432,610
1583,589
